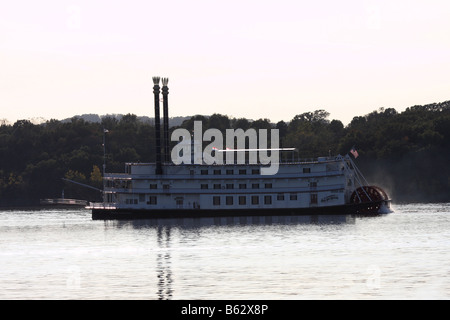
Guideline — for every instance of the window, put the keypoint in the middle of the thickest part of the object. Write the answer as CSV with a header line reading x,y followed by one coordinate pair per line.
x,y
255,186
230,186
204,186
229,171
204,172
153,186
306,170
216,201
313,198
255,171
242,171
179,201
152,200
110,197
166,186
217,171
267,199
217,186
131,201
242,200
293,196
313,184
268,186
229,200
141,197
242,186
280,196
255,199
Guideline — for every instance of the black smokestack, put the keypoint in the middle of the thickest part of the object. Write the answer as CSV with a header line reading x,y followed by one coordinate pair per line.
x,y
165,92
157,126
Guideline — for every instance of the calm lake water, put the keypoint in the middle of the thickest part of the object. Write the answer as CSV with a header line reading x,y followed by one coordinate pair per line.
x,y
63,254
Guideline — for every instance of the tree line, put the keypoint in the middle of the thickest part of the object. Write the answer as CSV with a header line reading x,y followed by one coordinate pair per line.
x,y
407,153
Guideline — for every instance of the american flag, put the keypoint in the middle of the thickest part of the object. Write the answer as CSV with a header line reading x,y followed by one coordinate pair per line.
x,y
354,152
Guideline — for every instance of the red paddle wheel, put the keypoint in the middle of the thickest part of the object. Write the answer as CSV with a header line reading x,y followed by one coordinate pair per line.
x,y
373,196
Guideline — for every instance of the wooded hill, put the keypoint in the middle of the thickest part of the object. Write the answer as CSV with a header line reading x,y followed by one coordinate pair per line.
x,y
406,153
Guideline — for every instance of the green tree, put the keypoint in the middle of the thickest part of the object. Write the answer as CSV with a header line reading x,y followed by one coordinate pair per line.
x,y
96,178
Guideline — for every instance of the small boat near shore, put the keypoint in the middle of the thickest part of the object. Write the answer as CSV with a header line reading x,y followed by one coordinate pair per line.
x,y
61,202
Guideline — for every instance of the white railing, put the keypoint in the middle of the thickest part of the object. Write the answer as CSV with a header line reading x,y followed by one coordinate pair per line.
x,y
102,205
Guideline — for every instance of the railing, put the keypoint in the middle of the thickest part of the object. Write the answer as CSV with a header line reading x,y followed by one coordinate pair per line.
x,y
102,205
281,160
223,189
199,177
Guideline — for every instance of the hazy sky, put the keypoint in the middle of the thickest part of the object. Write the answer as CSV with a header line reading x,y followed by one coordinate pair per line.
x,y
253,59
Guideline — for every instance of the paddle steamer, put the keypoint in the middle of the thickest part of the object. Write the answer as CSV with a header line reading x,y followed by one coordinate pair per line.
x,y
325,185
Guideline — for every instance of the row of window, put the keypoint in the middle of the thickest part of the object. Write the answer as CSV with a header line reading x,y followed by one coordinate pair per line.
x,y
229,200
152,200
227,171
242,200
231,186
240,171
155,186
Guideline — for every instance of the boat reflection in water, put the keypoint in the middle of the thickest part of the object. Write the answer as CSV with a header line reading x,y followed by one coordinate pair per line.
x,y
188,223
163,263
